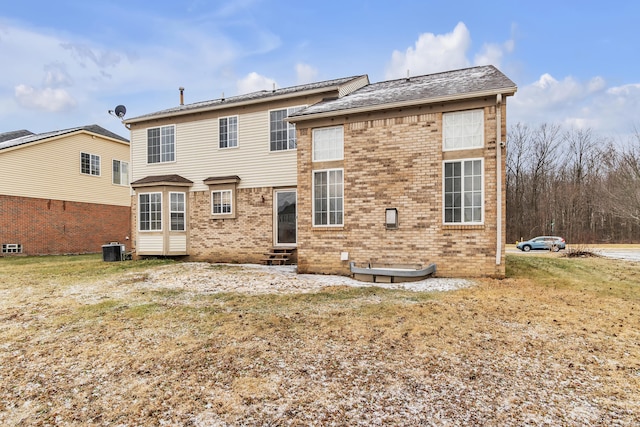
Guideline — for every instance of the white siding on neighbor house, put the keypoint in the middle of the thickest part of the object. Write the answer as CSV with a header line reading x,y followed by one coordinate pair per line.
x,y
198,155
51,170
149,243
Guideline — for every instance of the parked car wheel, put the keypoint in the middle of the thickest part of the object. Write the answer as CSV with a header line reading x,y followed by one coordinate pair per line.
x,y
526,248
555,248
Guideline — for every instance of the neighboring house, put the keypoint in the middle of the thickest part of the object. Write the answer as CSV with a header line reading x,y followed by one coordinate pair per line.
x,y
402,172
64,191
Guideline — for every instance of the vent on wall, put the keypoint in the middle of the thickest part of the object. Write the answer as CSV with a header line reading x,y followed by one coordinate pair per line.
x,y
11,248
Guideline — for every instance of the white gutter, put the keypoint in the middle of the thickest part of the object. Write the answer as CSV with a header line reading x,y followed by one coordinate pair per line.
x,y
499,179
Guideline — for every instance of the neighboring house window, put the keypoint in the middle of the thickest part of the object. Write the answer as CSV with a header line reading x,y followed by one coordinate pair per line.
x,y
161,144
120,172
228,131
90,164
221,202
328,197
282,134
177,211
11,248
150,211
463,193
463,129
328,144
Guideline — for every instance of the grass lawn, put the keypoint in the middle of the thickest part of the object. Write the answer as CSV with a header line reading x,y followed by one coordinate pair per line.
x,y
82,342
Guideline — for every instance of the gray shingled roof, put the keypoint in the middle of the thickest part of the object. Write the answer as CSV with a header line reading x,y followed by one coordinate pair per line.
x,y
177,179
439,86
263,95
7,136
28,137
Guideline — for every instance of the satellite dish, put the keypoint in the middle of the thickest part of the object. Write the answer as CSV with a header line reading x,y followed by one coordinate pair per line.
x,y
120,111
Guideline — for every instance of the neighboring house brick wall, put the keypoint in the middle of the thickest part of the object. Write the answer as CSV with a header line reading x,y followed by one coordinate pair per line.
x,y
396,161
45,226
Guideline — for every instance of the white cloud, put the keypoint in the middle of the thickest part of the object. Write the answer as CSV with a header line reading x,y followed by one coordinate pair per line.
x,y
56,75
432,53
441,52
492,54
254,82
588,104
305,73
47,99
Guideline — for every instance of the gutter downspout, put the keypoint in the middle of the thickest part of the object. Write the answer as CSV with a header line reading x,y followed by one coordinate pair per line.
x,y
499,179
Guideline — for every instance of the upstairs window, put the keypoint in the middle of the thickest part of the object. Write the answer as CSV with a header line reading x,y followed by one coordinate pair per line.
x,y
90,164
120,172
463,130
328,144
161,144
228,131
282,135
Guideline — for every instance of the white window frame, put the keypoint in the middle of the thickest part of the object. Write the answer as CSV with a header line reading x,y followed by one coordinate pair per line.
x,y
150,221
93,165
222,194
228,133
463,130
122,177
11,248
291,142
464,193
164,154
329,196
328,144
182,211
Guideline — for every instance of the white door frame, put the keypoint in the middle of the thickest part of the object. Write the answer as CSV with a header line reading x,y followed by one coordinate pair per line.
x,y
275,216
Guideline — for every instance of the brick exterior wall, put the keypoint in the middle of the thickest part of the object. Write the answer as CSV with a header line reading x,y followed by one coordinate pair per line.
x,y
48,227
243,239
396,161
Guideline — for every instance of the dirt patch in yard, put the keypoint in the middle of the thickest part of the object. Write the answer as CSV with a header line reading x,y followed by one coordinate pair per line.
x,y
218,345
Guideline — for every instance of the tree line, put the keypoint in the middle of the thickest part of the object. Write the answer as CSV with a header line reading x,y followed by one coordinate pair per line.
x,y
572,183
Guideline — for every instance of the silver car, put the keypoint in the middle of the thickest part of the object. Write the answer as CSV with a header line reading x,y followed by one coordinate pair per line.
x,y
547,243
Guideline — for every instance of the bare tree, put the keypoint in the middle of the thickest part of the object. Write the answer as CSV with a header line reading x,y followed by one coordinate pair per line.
x,y
623,185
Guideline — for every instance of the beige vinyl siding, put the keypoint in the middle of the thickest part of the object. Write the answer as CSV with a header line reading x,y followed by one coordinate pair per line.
x,y
178,243
50,169
150,243
354,85
198,155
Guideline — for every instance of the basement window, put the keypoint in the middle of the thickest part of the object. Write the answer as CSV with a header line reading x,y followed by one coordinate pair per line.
x,y
11,248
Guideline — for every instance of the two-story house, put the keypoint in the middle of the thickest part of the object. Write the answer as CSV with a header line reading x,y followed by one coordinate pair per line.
x,y
402,172
65,191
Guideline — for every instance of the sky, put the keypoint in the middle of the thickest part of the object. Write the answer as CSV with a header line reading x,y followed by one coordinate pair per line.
x,y
67,63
